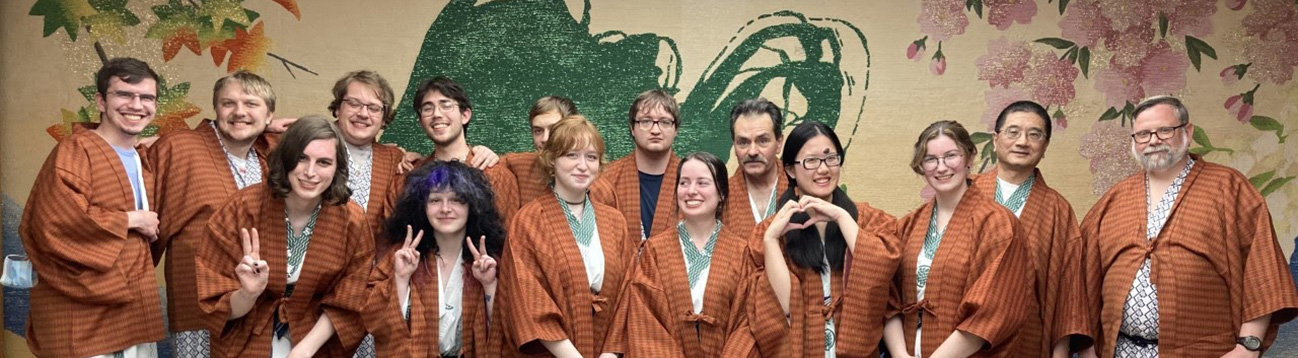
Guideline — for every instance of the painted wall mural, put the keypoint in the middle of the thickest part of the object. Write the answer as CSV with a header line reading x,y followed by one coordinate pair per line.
x,y
877,71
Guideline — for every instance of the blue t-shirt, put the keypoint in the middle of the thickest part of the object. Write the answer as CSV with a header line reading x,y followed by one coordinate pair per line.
x,y
649,187
132,172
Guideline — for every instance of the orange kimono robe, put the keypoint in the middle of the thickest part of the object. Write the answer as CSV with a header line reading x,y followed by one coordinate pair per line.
x,y
97,292
332,280
738,214
1054,246
531,178
194,179
623,178
549,296
1216,263
860,295
385,189
395,337
978,281
656,317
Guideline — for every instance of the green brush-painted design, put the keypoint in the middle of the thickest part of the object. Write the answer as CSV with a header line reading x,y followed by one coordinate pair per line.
x,y
509,53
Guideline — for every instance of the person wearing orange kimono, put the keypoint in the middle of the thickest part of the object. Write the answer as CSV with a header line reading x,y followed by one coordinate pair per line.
x,y
823,264
1181,258
444,113
525,166
755,128
688,292
88,226
283,268
1055,319
963,278
362,103
642,181
444,306
566,259
197,171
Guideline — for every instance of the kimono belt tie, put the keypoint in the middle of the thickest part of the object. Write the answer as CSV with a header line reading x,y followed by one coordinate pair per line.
x,y
690,316
921,305
598,302
828,310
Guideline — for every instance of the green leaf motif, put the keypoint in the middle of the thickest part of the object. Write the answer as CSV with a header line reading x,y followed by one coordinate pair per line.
x,y
1162,24
1201,138
1275,185
979,137
1268,124
65,14
1110,114
1260,179
1196,48
1063,5
1084,61
1056,42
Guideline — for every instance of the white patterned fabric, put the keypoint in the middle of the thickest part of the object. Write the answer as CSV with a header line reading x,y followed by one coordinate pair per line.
x,y
366,349
827,286
191,344
450,295
247,170
1140,313
360,163
142,350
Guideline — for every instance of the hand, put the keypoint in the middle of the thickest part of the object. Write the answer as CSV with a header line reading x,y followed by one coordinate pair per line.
x,y
252,270
780,221
484,266
1089,352
144,222
483,157
820,210
410,158
406,259
1241,352
279,125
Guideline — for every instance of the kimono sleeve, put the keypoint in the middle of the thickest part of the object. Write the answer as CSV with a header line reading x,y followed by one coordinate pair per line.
x,y
214,264
644,317
344,303
534,315
383,317
992,308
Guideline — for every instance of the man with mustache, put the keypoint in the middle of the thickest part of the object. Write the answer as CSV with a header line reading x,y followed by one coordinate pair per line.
x,y
88,226
1054,242
643,182
755,131
1181,259
197,171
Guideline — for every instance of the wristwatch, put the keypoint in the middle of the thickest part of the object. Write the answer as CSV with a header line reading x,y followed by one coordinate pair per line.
x,y
1251,343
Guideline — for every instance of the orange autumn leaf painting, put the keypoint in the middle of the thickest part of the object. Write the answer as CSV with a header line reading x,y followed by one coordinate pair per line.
x,y
247,50
291,6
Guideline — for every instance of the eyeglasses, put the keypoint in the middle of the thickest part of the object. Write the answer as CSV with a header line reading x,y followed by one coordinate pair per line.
x,y
431,107
356,105
832,160
762,142
950,160
647,124
1164,133
131,96
1015,133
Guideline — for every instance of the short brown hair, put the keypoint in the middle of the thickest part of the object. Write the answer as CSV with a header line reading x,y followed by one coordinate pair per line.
x,y
571,133
547,104
371,79
283,159
252,84
950,129
127,69
1182,114
651,98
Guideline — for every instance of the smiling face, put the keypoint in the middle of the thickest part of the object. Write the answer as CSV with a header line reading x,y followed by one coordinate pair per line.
x,y
1158,153
821,181
357,119
315,169
696,191
442,119
658,138
240,116
575,171
946,166
756,145
447,212
1021,153
128,108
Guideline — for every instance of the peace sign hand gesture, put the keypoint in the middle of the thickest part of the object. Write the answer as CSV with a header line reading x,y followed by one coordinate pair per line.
x,y
406,259
484,266
252,271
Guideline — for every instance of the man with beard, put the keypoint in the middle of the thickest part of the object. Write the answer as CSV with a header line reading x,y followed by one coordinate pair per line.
x,y
88,226
643,183
1181,259
755,131
1054,241
196,172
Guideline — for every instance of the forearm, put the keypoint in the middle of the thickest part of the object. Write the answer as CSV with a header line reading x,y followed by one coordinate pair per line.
x,y
894,336
959,344
403,291
1061,349
316,338
849,228
1256,328
241,302
490,292
561,349
777,272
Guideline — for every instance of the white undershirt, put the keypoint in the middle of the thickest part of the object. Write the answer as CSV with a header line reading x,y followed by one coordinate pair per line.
x,y
1007,189
593,257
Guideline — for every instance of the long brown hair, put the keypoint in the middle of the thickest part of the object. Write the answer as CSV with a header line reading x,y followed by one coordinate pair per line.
x,y
284,158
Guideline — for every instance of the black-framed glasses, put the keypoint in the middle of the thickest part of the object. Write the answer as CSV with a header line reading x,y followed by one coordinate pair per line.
x,y
429,107
1014,133
1164,133
356,105
832,160
930,162
131,96
647,124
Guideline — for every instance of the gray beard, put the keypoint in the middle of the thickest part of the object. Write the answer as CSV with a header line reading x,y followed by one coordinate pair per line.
x,y
1174,155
